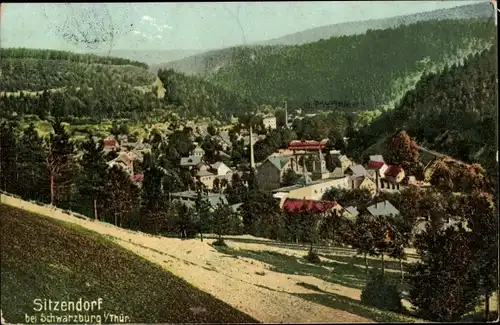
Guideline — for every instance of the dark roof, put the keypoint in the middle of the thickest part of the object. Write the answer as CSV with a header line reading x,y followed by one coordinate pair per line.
x,y
278,162
190,161
295,205
393,171
358,170
384,208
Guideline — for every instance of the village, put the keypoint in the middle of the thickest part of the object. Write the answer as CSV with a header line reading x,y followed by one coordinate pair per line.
x,y
303,158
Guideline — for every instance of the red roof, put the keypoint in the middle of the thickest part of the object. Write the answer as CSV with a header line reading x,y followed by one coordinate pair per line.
x,y
375,164
307,144
393,171
137,178
295,205
110,143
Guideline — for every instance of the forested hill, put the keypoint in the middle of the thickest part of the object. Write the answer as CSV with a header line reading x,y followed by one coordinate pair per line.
x,y
452,112
371,70
90,88
37,70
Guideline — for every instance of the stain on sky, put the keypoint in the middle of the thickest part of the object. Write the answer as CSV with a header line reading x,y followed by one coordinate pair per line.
x,y
87,25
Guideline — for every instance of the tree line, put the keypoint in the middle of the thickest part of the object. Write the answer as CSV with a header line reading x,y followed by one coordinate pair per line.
x,y
41,54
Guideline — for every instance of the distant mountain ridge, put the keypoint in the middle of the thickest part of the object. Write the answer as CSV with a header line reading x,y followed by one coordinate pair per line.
x,y
473,11
152,57
211,61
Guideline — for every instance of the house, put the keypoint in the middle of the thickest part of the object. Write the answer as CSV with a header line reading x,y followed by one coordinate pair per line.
x,y
377,158
363,182
124,161
394,174
221,169
271,172
311,191
374,166
207,174
351,213
136,155
111,144
384,208
189,198
198,152
423,222
269,122
137,179
312,206
191,161
356,171
342,162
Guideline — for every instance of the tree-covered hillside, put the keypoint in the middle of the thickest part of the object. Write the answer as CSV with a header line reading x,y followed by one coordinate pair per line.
x,y
453,112
38,70
69,86
193,96
370,70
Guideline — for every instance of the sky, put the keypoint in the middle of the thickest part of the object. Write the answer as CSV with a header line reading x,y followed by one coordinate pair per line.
x,y
188,25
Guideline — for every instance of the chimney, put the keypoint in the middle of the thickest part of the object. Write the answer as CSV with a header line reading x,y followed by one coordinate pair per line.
x,y
252,160
286,115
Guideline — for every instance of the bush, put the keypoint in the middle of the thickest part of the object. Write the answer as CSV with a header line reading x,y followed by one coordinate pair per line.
x,y
381,293
312,257
219,242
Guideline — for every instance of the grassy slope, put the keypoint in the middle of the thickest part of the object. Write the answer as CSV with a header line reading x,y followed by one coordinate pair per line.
x,y
42,258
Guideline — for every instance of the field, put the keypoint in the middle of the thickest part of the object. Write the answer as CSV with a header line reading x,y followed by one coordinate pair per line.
x,y
268,280
43,258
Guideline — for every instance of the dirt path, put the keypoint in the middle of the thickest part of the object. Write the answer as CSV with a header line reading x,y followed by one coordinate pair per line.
x,y
268,298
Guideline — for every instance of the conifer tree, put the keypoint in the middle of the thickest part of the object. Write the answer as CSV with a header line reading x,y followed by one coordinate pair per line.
x,y
93,173
60,163
119,197
32,174
443,283
8,157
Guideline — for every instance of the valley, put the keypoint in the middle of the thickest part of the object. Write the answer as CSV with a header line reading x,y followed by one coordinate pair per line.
x,y
344,173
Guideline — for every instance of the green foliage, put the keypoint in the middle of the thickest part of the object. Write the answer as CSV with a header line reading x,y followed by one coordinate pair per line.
x,y
290,178
336,228
312,257
31,165
193,96
381,293
8,157
223,220
443,284
452,111
120,197
60,164
337,72
91,177
26,53
54,74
